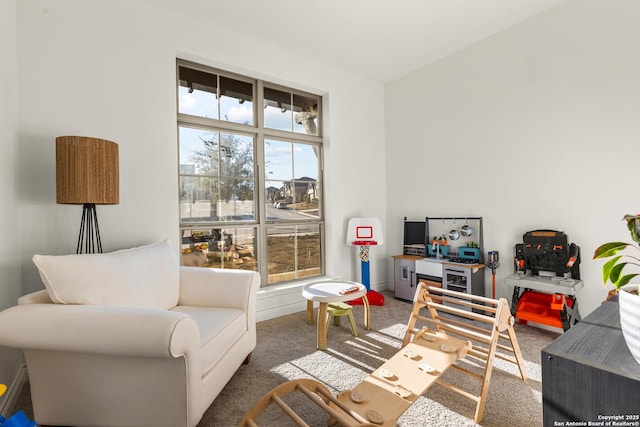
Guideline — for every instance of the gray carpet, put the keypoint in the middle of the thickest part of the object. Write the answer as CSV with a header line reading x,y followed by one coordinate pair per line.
x,y
286,350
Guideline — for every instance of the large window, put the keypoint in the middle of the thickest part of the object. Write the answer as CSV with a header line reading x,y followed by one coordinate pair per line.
x,y
229,149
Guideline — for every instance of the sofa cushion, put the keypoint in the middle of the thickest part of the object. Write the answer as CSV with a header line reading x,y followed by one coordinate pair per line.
x,y
146,276
219,328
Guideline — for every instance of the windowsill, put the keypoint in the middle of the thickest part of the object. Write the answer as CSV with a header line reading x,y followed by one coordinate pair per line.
x,y
286,287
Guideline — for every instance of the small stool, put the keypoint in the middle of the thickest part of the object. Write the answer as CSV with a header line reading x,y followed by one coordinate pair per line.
x,y
338,309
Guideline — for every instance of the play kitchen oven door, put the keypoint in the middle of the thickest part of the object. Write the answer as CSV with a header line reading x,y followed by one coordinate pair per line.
x,y
457,279
430,273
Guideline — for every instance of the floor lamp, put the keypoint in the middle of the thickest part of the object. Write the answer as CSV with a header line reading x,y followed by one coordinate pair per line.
x,y
87,174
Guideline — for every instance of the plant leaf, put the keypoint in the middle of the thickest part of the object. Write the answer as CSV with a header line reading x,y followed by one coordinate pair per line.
x,y
616,271
624,280
633,224
607,267
609,249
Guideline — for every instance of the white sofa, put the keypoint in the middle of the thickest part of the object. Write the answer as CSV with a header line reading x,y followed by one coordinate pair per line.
x,y
131,338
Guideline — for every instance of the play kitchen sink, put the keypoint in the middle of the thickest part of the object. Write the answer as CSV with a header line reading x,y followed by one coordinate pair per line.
x,y
430,267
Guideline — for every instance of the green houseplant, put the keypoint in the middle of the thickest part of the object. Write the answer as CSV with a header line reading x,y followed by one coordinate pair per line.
x,y
628,295
612,269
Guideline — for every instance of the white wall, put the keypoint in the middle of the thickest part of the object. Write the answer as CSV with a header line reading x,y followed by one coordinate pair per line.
x,y
10,286
107,69
524,129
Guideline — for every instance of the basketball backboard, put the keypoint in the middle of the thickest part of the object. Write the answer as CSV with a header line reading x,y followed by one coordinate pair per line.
x,y
364,232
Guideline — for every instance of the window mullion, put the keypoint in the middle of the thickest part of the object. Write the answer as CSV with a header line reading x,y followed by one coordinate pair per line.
x,y
260,185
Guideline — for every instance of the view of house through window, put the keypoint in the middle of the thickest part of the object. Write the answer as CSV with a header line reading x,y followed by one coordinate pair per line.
x,y
250,179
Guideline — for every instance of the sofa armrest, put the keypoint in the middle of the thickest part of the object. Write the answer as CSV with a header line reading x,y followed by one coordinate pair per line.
x,y
38,297
212,287
105,330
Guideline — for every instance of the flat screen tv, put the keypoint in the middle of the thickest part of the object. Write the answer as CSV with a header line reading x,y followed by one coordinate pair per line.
x,y
414,233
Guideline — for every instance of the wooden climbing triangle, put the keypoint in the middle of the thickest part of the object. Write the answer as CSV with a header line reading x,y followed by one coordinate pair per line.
x,y
491,333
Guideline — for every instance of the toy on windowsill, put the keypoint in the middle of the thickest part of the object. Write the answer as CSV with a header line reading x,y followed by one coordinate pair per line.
x,y
19,419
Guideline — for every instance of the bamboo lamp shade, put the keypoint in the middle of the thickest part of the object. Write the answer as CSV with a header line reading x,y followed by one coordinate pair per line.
x,y
87,171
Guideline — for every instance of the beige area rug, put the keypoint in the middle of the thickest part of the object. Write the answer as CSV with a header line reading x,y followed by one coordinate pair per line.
x,y
286,350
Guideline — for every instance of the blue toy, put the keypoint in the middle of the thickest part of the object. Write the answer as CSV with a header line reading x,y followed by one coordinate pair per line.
x,y
19,419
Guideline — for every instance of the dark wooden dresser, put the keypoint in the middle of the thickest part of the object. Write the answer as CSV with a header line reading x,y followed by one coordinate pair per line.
x,y
589,378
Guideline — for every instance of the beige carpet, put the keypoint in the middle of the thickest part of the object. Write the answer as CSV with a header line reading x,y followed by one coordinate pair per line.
x,y
286,350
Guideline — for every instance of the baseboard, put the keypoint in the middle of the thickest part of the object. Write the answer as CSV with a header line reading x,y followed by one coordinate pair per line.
x,y
14,390
280,311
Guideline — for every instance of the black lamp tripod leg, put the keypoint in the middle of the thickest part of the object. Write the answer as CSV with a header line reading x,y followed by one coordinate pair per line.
x,y
89,235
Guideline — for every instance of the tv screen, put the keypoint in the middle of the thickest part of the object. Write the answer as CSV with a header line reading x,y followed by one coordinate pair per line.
x,y
414,233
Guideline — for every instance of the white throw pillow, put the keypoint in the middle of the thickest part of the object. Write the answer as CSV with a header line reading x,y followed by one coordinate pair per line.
x,y
146,276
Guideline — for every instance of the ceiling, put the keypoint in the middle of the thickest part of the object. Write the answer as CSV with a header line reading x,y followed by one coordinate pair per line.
x,y
376,39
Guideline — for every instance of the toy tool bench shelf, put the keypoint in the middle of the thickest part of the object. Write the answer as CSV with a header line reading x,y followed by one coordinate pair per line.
x,y
547,300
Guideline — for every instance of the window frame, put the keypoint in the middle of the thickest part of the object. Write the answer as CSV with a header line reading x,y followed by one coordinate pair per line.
x,y
259,133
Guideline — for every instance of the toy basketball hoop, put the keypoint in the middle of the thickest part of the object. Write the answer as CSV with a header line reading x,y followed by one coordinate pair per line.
x,y
365,232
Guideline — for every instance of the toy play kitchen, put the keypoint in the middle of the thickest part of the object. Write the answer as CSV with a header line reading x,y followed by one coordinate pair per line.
x,y
546,279
441,251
